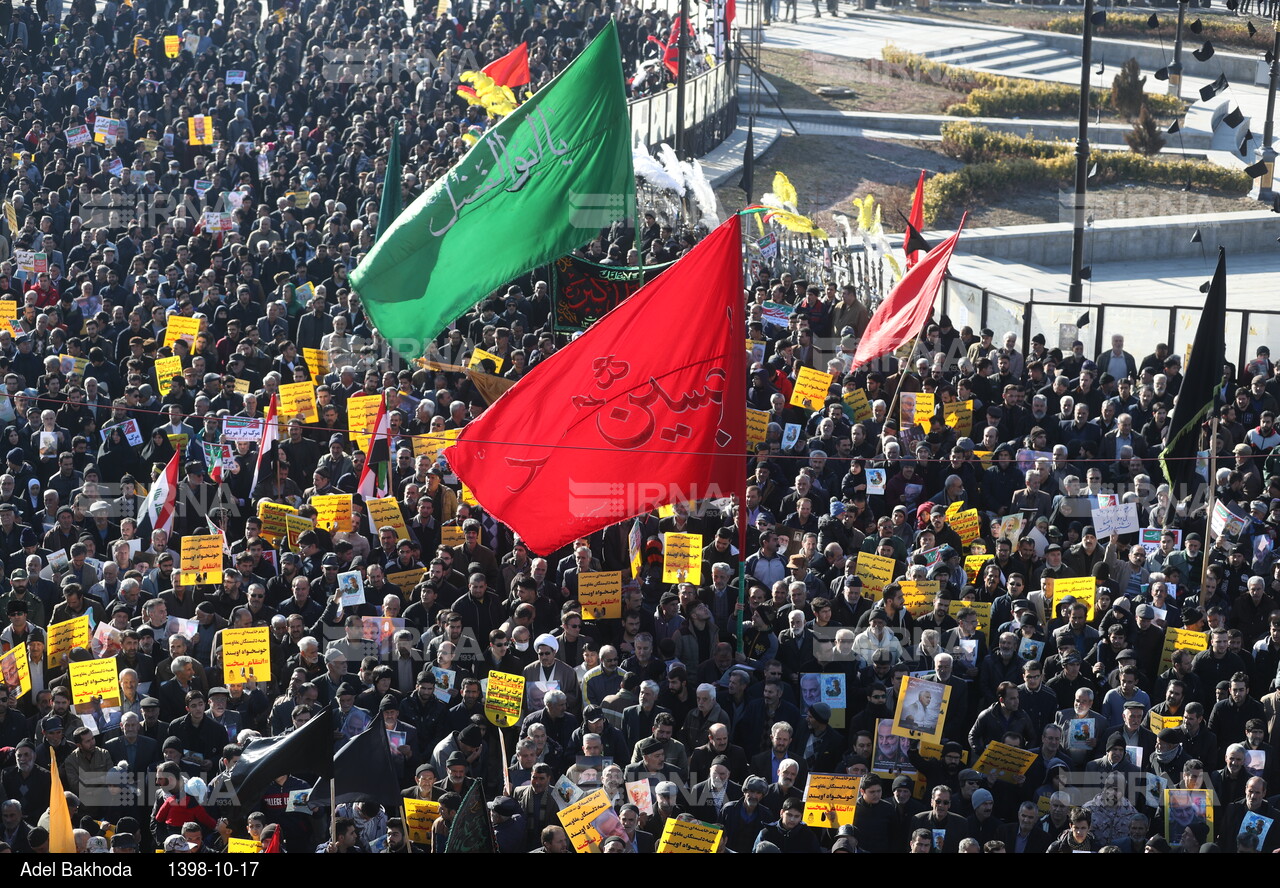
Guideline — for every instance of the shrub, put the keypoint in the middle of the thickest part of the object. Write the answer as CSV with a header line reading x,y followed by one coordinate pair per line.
x,y
1127,94
1146,137
1223,31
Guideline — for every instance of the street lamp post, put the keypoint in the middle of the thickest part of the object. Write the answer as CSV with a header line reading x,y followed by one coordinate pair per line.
x,y
682,80
1175,70
1266,153
1076,291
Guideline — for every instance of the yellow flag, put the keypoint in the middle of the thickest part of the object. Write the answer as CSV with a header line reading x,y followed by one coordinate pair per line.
x,y
60,839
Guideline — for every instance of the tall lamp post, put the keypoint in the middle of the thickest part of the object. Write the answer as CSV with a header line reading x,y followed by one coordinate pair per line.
x,y
1175,70
1267,154
682,80
1076,292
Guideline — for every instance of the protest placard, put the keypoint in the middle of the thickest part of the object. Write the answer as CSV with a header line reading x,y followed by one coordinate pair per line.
x,y
419,814
757,426
128,428
317,361
1120,518
166,369
333,511
298,400
682,558
246,652
64,636
200,130
811,389
294,527
272,515
243,846
242,428
967,524
857,405
234,78
958,415
77,136
351,585
406,580
682,837
94,678
600,595
479,354
875,571
172,46
921,709
451,535
918,596
15,671
386,513
876,479
1181,640
1000,761
973,566
829,799
504,698
982,608
201,560
179,327
576,820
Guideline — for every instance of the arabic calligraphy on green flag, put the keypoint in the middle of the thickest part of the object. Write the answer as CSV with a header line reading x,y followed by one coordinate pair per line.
x,y
540,183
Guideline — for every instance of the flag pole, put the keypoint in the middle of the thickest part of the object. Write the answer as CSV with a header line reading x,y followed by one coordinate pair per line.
x,y
506,773
740,432
333,809
1208,518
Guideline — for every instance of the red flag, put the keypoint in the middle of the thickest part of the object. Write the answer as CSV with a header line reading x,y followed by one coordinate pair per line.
x,y
901,316
512,69
645,408
917,222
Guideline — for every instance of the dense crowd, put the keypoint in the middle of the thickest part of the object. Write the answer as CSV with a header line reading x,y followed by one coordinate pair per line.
x,y
719,706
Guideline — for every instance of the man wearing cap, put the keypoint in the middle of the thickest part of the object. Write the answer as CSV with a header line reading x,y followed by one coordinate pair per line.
x,y
26,780
19,591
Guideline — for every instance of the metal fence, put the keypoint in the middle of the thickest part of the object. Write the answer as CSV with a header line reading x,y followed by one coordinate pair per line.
x,y
968,304
710,112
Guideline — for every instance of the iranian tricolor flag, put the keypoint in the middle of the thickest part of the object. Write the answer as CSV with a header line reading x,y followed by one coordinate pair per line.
x,y
374,481
270,435
156,512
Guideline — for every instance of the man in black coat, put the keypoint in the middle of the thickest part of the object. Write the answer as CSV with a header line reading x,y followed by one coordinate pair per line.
x,y
1022,836
939,817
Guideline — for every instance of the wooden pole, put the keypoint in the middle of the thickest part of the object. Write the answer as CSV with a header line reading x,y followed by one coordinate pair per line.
x,y
1208,523
506,773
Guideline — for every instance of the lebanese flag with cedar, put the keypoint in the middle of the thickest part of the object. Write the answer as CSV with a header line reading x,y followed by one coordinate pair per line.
x,y
646,408
512,69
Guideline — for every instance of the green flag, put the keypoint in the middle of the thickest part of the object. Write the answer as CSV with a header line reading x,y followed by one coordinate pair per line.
x,y
539,184
392,199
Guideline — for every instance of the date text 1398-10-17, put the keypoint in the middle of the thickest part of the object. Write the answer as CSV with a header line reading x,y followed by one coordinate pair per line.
x,y
201,868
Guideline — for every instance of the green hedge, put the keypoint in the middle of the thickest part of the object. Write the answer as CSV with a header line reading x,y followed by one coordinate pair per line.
x,y
993,95
999,161
1221,31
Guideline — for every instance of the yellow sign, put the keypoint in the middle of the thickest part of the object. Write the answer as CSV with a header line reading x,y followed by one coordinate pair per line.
x,y
386,513
916,408
242,386
419,814
317,361
272,515
246,652
858,404
504,699
243,846
1000,761
918,596
875,571
431,445
973,564
682,558
757,426
201,563
600,595
64,636
8,309
1157,722
300,198
920,714
451,535
294,527
200,130
983,609
967,524
362,412
180,327
479,355
406,580
958,415
1082,589
829,799
576,820
166,370
811,389
95,678
172,46
333,511
682,837
1181,640
15,671
298,401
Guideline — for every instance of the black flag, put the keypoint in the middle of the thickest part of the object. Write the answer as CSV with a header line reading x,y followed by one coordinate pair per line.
x,y
915,240
362,771
1198,397
746,183
308,750
471,831
1082,321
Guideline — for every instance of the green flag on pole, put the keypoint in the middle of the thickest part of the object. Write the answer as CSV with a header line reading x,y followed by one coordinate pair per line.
x,y
542,182
392,196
